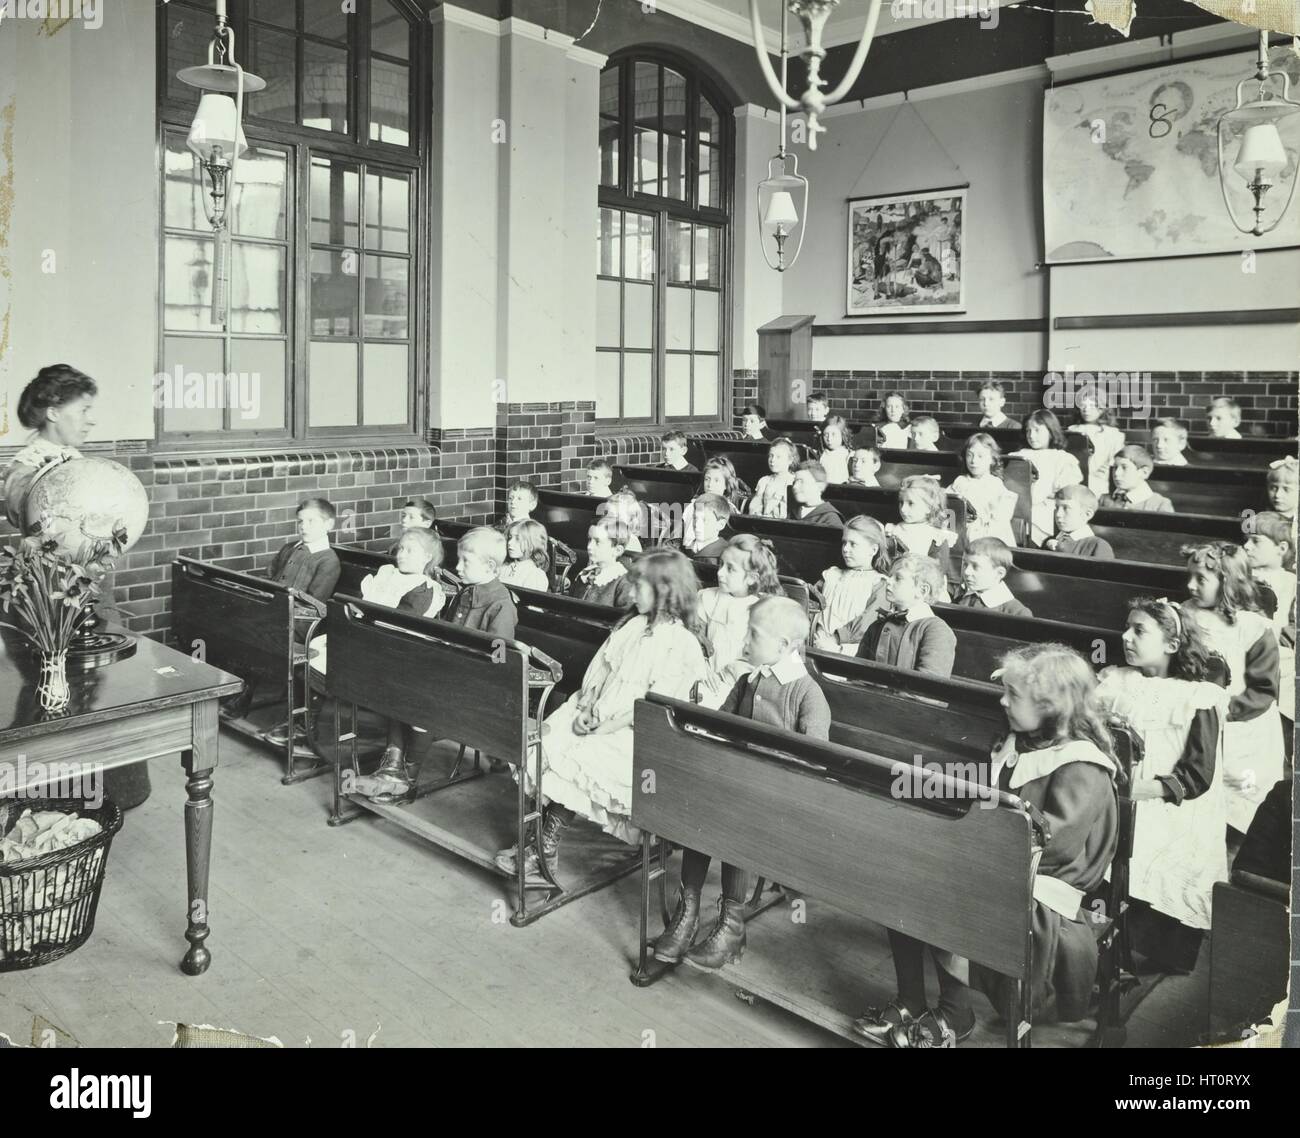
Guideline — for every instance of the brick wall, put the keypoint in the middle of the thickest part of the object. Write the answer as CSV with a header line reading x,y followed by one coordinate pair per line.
x,y
644,450
744,389
1268,399
547,443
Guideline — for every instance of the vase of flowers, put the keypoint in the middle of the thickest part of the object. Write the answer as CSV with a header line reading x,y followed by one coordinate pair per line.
x,y
47,595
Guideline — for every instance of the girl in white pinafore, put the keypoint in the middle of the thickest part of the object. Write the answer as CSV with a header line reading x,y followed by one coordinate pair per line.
x,y
852,597
991,503
587,742
1222,601
1054,468
1179,835
1097,423
746,572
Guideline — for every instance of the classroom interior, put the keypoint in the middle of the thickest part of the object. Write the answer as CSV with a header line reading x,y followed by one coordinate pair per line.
x,y
493,241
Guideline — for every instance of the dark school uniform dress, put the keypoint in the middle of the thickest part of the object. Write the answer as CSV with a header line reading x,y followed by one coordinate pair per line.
x,y
1070,789
419,600
823,514
922,645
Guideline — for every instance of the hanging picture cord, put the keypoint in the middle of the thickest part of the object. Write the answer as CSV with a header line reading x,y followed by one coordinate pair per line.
x,y
905,104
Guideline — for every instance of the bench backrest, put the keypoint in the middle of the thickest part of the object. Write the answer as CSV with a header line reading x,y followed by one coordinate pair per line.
x,y
807,814
652,485
748,456
1157,539
459,684
1056,586
244,624
984,636
1203,450
1220,491
569,630
802,550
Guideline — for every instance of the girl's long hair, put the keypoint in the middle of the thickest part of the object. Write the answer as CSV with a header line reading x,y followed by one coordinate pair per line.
x,y
1062,684
927,487
1231,566
882,417
874,532
840,424
990,444
760,564
1053,425
736,490
1105,416
534,544
1192,660
671,577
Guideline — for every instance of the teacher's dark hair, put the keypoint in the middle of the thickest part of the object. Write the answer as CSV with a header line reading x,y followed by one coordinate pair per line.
x,y
53,387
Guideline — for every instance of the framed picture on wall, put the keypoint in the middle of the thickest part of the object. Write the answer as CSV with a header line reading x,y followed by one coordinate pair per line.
x,y
905,253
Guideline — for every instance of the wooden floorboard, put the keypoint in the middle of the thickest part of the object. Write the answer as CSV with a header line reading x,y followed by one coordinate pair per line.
x,y
326,935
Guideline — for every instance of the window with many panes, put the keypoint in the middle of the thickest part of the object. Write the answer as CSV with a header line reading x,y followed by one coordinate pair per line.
x,y
661,234
324,328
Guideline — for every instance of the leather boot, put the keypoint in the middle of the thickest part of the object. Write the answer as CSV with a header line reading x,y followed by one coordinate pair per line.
x,y
676,938
725,943
554,822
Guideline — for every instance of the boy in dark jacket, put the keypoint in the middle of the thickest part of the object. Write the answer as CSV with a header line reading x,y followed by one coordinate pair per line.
x,y
1075,506
983,576
911,636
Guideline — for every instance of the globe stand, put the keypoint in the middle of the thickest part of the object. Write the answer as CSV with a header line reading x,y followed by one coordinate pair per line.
x,y
93,645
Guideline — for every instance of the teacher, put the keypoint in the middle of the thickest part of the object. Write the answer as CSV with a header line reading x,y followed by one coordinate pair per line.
x,y
58,405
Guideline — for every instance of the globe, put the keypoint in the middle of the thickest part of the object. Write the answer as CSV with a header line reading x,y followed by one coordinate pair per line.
x,y
83,501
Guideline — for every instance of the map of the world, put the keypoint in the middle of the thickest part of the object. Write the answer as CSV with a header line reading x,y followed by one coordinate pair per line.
x,y
1131,165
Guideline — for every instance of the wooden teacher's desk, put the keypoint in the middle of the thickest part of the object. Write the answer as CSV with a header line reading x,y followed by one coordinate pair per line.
x,y
157,702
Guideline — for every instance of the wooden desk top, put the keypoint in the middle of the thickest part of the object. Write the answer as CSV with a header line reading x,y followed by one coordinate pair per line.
x,y
127,687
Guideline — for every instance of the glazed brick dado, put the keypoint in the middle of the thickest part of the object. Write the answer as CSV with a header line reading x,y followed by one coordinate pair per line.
x,y
549,444
1268,399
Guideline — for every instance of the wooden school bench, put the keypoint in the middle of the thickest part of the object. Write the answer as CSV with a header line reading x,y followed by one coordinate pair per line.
x,y
1220,491
984,637
1158,539
457,684
1248,952
1205,450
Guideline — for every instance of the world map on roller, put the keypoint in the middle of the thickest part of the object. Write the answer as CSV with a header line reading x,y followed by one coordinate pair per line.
x,y
1131,162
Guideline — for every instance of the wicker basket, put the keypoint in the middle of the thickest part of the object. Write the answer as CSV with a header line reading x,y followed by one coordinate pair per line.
x,y
48,903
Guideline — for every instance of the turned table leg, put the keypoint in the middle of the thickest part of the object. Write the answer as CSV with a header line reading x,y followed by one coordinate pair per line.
x,y
199,762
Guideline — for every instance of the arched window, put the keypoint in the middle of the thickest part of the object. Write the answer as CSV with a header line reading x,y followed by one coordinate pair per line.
x,y
663,238
325,334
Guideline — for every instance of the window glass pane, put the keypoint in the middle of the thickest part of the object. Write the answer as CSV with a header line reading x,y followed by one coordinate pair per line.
x,y
385,385
607,385
706,385
189,32
674,169
608,294
708,267
710,181
674,102
608,152
679,250
677,320
637,371
710,123
325,86
275,59
282,12
257,401
334,293
638,315
257,288
187,363
609,91
260,195
706,321
387,298
187,284
332,385
182,190
390,102
326,18
677,385
608,242
638,247
645,161
388,213
333,202
390,31
646,94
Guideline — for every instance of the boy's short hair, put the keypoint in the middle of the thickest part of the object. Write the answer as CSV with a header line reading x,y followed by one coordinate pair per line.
x,y
601,464
1139,456
1229,404
487,542
756,409
320,505
714,504
1078,493
783,616
925,421
994,548
672,437
522,484
816,469
1171,424
616,529
427,509
869,449
924,570
991,385
818,397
